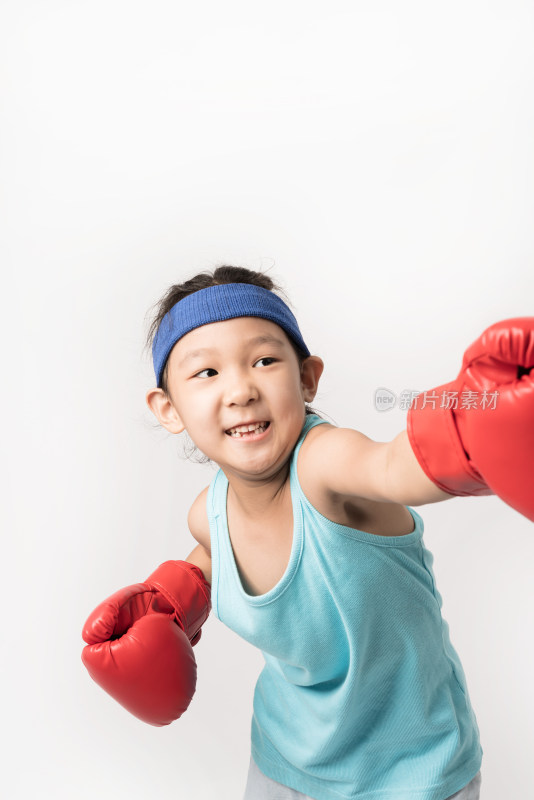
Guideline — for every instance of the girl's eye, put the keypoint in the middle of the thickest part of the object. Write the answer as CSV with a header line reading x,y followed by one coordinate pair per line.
x,y
267,358
204,370
209,369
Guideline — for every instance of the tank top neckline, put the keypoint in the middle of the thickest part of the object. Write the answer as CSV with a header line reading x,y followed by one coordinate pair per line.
x,y
296,550
297,543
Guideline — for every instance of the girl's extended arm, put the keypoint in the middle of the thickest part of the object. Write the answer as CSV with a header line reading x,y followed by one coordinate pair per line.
x,y
473,436
405,480
352,465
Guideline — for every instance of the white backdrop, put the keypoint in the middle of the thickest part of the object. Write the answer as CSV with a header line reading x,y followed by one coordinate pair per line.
x,y
377,159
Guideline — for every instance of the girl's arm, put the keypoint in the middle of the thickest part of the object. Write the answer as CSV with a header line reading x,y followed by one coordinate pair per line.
x,y
473,436
199,526
201,559
352,465
405,478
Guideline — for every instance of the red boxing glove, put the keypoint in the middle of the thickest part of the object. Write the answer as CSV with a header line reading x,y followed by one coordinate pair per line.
x,y
139,642
487,447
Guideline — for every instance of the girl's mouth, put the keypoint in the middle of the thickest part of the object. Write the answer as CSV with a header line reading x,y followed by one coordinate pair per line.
x,y
251,436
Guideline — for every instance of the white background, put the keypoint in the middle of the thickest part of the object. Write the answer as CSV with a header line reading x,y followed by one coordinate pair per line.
x,y
377,159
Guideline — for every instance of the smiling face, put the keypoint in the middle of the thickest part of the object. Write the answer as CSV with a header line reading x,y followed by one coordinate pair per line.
x,y
225,373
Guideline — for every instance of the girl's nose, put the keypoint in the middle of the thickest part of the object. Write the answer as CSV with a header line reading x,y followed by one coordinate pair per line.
x,y
240,390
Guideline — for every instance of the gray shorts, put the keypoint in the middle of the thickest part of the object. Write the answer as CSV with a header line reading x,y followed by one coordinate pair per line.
x,y
260,787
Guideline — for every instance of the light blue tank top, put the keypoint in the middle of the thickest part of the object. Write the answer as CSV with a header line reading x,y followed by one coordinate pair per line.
x,y
362,695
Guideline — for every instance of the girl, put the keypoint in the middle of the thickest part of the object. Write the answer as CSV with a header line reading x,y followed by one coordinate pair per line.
x,y
308,549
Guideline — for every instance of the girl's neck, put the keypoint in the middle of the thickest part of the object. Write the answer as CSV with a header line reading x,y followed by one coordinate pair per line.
x,y
257,502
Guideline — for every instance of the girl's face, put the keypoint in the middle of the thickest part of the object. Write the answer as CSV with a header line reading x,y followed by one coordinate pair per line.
x,y
227,373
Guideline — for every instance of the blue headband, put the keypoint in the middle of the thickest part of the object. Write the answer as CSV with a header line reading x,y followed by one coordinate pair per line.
x,y
217,303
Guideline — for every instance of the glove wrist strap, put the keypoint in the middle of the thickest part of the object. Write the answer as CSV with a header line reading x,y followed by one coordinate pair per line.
x,y
437,446
185,587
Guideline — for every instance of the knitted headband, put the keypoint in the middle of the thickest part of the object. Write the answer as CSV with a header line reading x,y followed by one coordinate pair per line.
x,y
217,303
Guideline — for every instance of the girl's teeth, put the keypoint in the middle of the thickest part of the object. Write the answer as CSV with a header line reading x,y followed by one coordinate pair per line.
x,y
256,429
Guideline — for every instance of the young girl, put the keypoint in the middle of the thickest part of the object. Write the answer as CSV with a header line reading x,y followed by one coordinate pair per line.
x,y
308,549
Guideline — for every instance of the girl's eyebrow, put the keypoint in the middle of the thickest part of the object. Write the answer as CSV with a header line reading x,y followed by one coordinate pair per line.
x,y
262,339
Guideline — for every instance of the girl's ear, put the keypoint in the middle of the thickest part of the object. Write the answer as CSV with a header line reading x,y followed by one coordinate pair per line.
x,y
164,411
312,369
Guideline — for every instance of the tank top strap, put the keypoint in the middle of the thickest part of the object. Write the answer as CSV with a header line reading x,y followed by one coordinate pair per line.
x,y
310,422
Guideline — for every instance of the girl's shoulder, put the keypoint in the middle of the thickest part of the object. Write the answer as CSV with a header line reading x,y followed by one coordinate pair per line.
x,y
341,489
338,461
315,433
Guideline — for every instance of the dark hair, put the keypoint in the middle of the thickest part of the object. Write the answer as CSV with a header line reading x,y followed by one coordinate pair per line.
x,y
220,275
